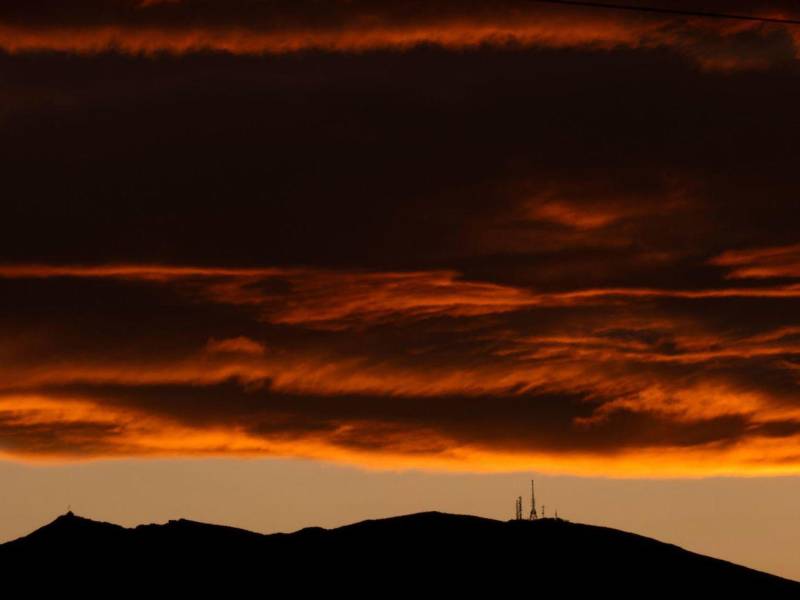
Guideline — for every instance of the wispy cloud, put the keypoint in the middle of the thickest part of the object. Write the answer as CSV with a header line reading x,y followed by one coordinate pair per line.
x,y
280,27
393,368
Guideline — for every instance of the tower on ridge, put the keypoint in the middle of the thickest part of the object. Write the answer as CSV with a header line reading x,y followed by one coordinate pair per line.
x,y
533,515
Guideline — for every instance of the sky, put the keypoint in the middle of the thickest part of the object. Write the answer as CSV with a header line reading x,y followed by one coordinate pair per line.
x,y
417,246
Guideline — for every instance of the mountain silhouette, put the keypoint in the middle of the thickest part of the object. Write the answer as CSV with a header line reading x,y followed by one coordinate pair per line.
x,y
424,551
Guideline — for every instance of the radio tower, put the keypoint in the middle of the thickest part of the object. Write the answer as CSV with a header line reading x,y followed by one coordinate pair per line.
x,y
533,516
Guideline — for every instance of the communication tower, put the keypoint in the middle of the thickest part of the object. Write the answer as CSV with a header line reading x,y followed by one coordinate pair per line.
x,y
533,515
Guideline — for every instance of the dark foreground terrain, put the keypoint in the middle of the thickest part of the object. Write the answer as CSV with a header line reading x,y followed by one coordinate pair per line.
x,y
426,552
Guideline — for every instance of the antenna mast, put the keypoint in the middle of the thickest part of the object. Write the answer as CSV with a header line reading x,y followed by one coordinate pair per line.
x,y
533,515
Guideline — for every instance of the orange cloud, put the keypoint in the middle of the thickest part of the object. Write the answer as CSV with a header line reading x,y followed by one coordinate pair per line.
x,y
240,40
578,217
335,299
131,272
185,27
132,433
761,263
475,375
237,345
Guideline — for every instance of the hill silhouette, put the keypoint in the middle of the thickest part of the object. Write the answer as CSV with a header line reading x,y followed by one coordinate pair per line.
x,y
435,550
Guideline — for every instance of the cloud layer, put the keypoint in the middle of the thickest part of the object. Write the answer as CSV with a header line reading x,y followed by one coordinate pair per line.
x,y
577,252
405,368
251,27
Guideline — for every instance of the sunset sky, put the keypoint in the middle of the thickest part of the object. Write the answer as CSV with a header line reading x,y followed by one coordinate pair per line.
x,y
415,249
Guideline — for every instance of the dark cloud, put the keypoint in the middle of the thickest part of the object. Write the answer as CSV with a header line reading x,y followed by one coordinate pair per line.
x,y
575,250
147,158
520,423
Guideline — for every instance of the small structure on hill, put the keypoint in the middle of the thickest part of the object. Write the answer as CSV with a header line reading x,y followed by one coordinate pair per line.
x,y
533,515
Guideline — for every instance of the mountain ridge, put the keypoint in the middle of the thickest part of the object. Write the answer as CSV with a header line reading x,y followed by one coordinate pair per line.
x,y
422,545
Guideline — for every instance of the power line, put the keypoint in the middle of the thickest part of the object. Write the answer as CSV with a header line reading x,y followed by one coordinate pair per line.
x,y
671,11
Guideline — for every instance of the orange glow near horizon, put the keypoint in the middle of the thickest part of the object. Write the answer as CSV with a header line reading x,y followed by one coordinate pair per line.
x,y
146,437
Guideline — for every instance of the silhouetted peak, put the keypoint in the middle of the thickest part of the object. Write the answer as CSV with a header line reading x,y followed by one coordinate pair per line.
x,y
69,526
71,518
